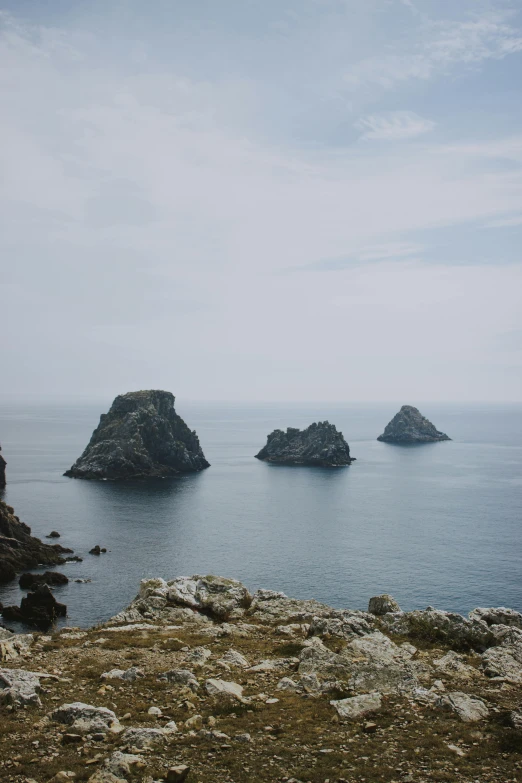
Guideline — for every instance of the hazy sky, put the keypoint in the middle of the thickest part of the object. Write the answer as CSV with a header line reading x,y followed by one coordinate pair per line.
x,y
262,199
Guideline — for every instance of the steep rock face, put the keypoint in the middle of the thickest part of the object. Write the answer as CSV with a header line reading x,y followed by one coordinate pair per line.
x,y
3,463
19,550
319,444
410,426
141,436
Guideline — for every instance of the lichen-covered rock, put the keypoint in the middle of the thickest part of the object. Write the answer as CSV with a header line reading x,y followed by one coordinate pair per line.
x,y
382,604
219,597
19,550
504,661
357,706
319,444
436,625
216,687
468,708
140,436
497,616
142,739
14,645
85,718
182,677
344,624
20,688
128,675
410,426
274,607
123,765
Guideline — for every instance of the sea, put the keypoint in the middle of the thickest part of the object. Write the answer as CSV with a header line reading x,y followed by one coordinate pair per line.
x,y
436,524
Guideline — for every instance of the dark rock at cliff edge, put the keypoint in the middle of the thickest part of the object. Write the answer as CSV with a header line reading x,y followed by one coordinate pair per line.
x,y
410,426
19,550
141,436
319,444
3,463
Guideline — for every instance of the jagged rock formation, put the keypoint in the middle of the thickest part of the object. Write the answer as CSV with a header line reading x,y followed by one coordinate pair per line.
x,y
141,436
19,550
410,426
319,444
3,463
39,609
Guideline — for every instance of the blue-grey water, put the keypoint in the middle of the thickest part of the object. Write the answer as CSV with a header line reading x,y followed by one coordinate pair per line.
x,y
436,524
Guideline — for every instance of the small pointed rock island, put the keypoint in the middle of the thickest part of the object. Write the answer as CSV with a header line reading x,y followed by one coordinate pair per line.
x,y
319,444
141,436
410,426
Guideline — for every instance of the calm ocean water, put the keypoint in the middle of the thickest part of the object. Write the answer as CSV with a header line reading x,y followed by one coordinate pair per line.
x,y
437,524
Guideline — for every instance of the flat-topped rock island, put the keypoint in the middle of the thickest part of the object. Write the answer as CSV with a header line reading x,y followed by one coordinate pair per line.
x,y
141,436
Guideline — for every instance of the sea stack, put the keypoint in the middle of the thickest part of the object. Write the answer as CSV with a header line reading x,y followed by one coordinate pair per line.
x,y
410,426
141,436
3,463
319,444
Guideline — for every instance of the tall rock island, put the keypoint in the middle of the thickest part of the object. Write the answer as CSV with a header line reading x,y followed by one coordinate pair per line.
x,y
410,426
141,436
319,444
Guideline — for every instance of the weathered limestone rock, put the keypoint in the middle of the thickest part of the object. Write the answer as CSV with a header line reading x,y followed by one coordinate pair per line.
x,y
129,675
221,598
453,664
221,687
357,706
320,444
182,677
19,550
504,661
273,607
85,719
382,604
142,739
468,708
497,616
140,436
104,776
410,426
234,658
13,646
20,688
343,624
123,764
447,627
198,656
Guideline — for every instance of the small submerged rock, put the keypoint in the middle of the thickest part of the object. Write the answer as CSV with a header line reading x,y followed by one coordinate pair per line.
x,y
410,426
320,444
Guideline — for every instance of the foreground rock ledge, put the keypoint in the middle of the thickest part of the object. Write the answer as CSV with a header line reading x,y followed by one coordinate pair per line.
x,y
320,445
198,679
410,426
141,436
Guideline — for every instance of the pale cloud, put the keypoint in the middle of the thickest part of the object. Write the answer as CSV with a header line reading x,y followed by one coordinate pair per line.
x,y
393,126
441,46
507,222
148,223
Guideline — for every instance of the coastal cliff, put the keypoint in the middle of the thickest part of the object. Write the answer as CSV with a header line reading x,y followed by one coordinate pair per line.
x,y
19,550
3,464
141,436
319,444
200,680
410,426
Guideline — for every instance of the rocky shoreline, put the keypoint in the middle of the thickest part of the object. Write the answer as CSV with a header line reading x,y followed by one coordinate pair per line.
x,y
199,680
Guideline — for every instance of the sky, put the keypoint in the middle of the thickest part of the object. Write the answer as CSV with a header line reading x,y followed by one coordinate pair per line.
x,y
261,199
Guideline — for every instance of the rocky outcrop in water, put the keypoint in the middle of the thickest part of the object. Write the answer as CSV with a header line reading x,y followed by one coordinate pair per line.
x,y
19,550
319,444
141,436
410,426
3,463
39,609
